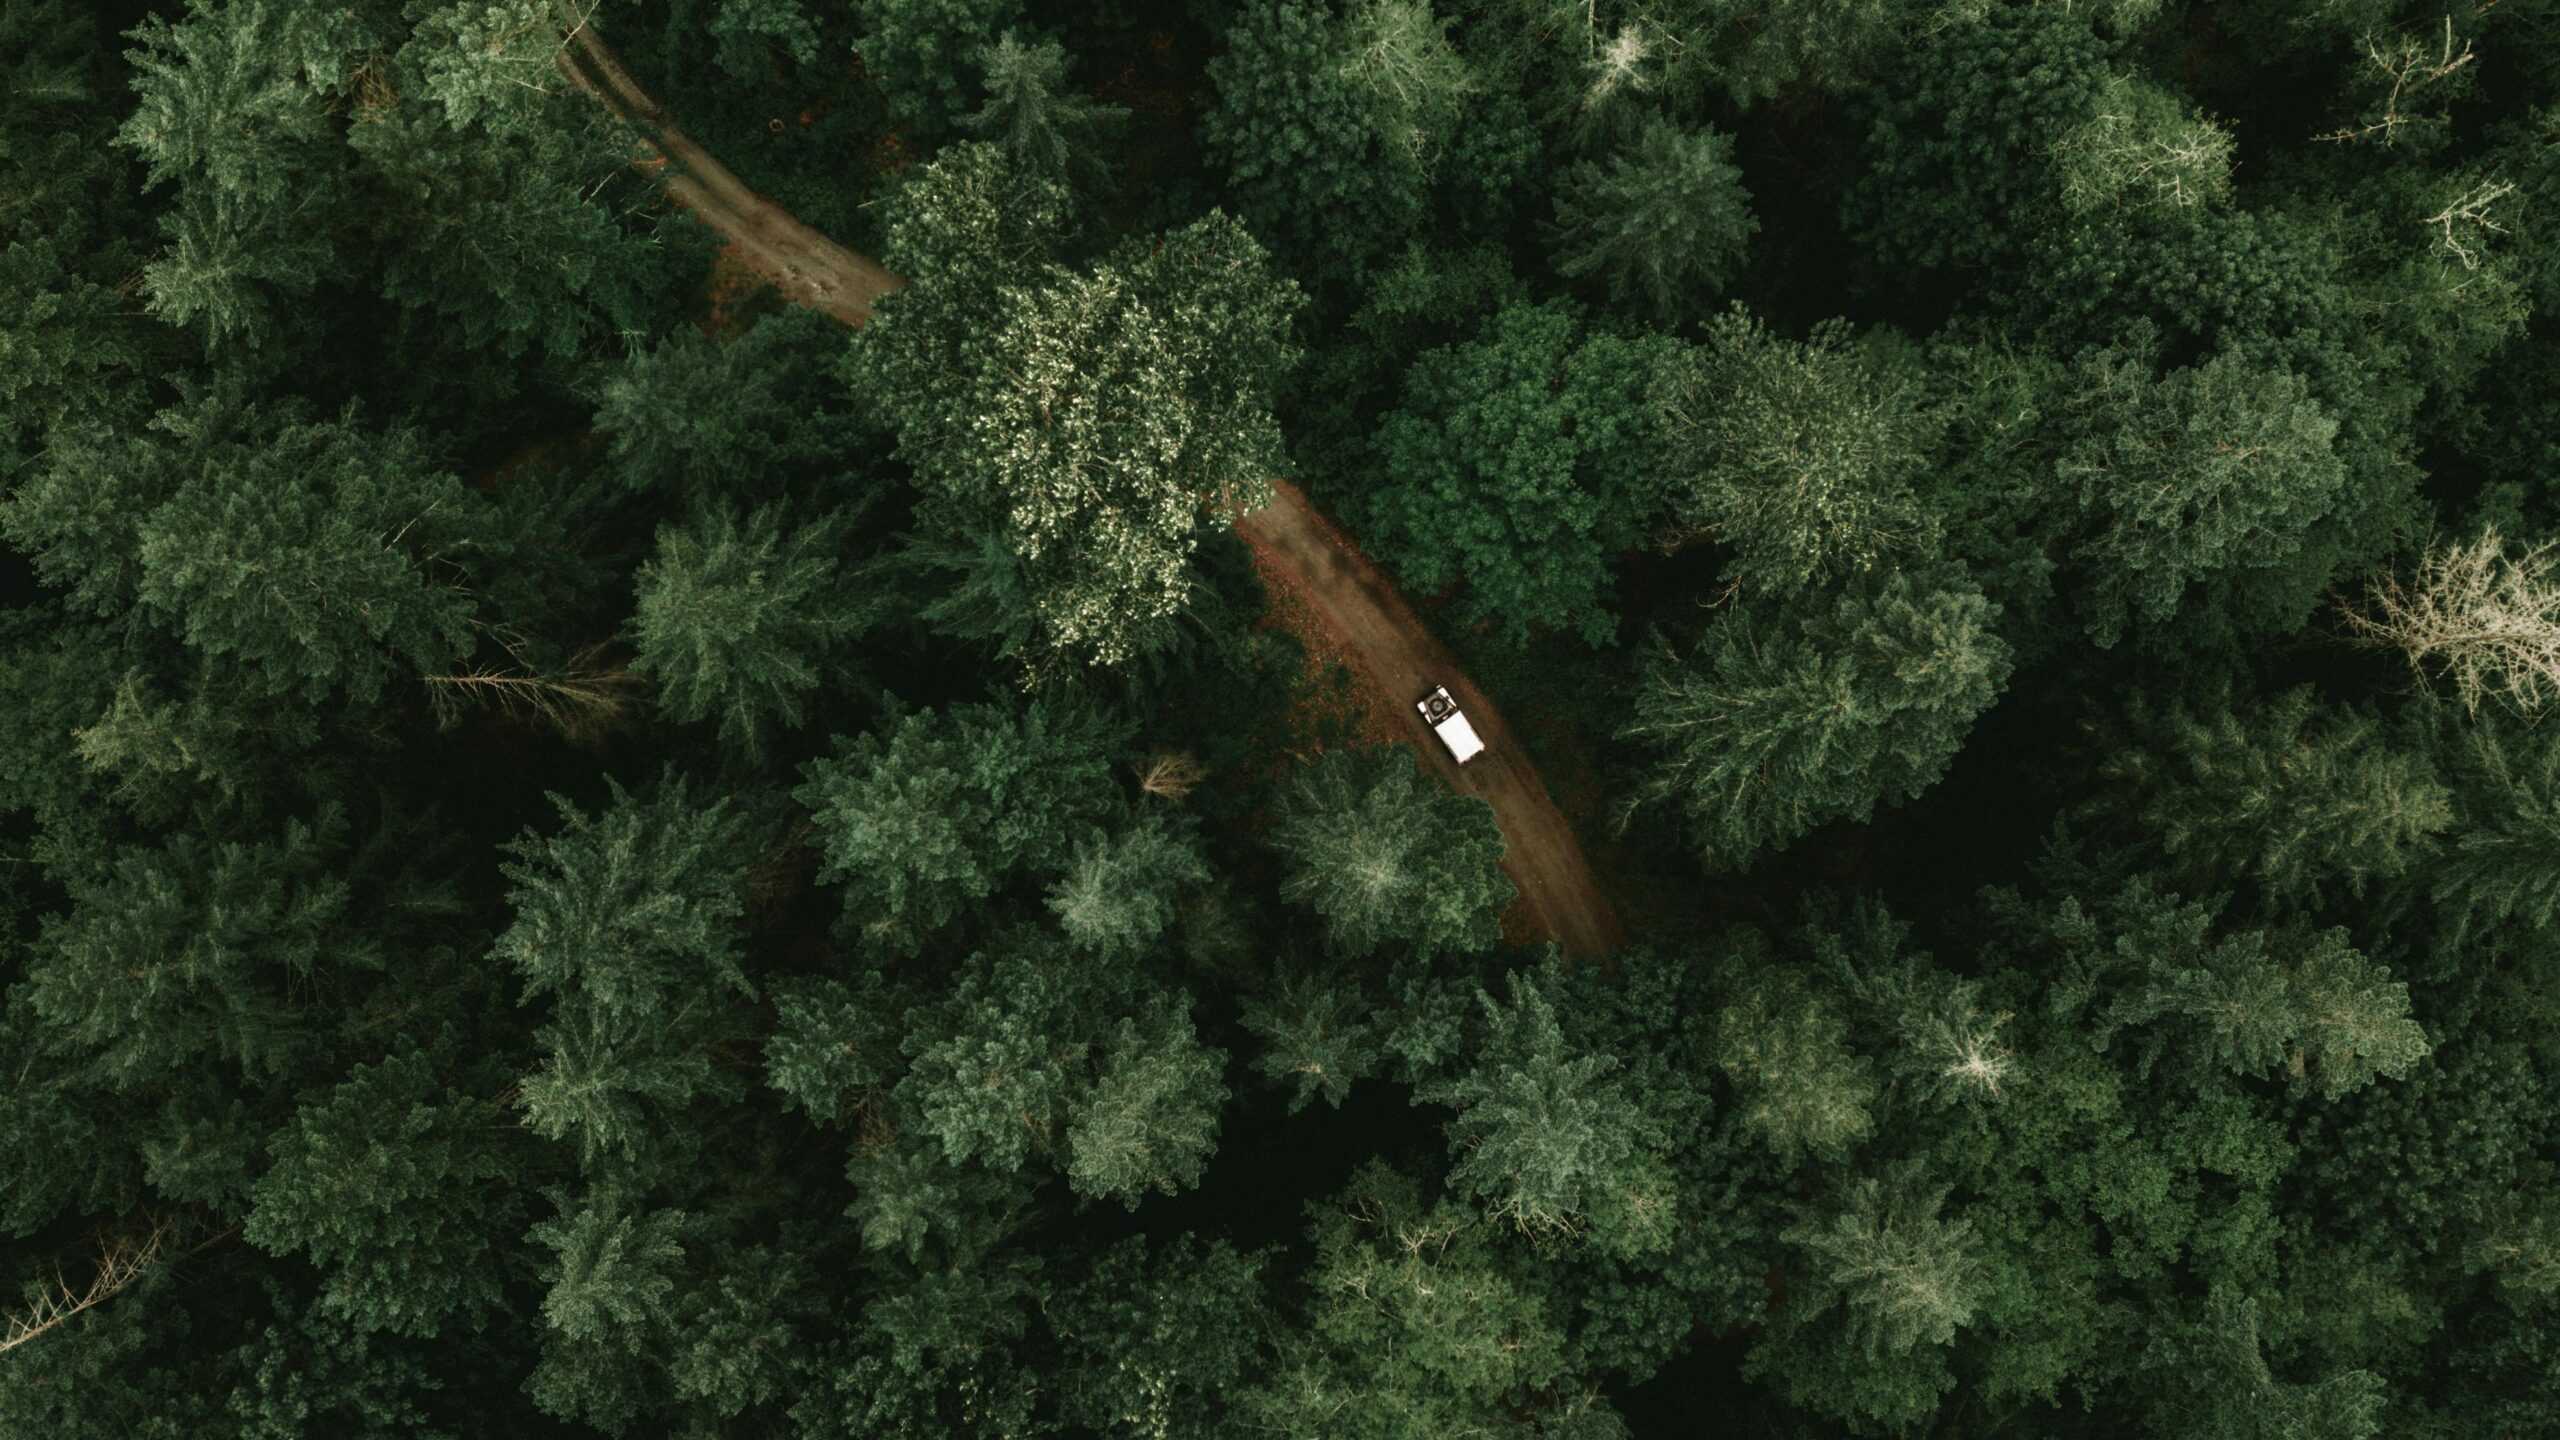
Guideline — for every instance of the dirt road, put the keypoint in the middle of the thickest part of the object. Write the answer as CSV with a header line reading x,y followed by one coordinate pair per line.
x,y
1400,659
1367,619
807,267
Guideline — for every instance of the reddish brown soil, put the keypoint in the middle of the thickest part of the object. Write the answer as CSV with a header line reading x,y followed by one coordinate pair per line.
x,y
1367,621
1325,590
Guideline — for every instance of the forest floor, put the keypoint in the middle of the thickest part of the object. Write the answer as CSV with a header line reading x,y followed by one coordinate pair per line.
x,y
1366,622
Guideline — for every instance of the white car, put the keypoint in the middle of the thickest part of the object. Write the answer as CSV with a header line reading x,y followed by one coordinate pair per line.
x,y
1450,723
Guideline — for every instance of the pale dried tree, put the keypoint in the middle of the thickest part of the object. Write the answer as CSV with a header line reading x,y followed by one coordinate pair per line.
x,y
1169,775
2486,620
582,698
58,1298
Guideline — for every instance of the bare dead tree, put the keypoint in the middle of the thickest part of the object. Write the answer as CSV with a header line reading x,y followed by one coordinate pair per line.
x,y
582,698
1169,775
123,1258
2486,620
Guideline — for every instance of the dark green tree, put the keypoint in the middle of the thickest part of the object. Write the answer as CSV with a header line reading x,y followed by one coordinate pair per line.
x,y
928,819
1517,465
627,922
739,620
401,1188
1775,727
2288,792
1663,222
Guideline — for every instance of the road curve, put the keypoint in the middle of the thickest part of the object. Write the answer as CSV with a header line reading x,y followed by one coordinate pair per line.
x,y
1397,656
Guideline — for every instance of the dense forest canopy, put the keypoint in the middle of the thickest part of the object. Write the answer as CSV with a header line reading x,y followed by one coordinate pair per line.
x,y
585,851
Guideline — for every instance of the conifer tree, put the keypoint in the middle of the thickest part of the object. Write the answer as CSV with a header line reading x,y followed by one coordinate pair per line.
x,y
1119,892
2203,490
399,1187
1663,223
1041,123
2209,1378
1775,727
627,921
1541,1130
2288,792
737,620
929,818
1517,465
1797,456
1388,855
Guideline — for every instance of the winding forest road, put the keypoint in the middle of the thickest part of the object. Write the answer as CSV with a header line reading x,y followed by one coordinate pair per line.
x,y
1395,655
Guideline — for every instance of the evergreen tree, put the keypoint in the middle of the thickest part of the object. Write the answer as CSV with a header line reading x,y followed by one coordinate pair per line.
x,y
628,921
918,51
2288,792
930,818
1799,457
2202,488
2211,1380
1541,1132
1386,855
399,1187
736,619
1516,465
1775,728
1664,222
1042,125
1119,892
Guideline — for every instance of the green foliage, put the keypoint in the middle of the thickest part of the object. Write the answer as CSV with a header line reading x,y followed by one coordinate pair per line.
x,y
1386,855
1541,1132
1961,145
1327,127
1663,223
2213,1382
2252,1002
2202,487
1089,417
736,620
699,418
930,818
1152,1117
1773,728
1119,892
1317,1036
1041,124
1516,466
350,369
1804,1091
194,953
395,1184
1425,1331
1799,457
309,557
918,51
627,922
2287,792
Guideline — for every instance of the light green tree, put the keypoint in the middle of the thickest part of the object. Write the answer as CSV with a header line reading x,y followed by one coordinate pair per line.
x,y
1387,855
1799,456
